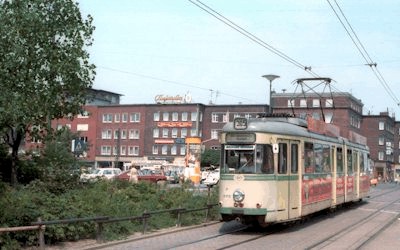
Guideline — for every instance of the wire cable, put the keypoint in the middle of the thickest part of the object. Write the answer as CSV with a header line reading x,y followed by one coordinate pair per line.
x,y
175,82
360,47
251,36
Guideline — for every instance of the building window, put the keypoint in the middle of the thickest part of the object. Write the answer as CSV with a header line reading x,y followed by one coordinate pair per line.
x,y
164,149
134,134
107,118
105,150
106,134
165,133
156,133
381,140
355,121
175,116
123,134
193,132
303,103
214,134
174,133
290,103
82,127
133,150
155,150
125,117
380,155
115,151
214,117
194,116
184,116
248,116
381,126
117,117
183,150
225,118
165,116
315,103
173,150
123,150
156,116
116,134
183,132
329,103
135,117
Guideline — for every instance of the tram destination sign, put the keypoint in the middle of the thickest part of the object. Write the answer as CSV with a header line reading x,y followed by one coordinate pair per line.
x,y
240,137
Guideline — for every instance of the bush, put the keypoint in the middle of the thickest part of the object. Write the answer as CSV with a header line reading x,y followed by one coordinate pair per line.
x,y
103,198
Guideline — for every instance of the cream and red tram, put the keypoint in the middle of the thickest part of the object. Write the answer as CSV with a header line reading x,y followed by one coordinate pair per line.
x,y
275,169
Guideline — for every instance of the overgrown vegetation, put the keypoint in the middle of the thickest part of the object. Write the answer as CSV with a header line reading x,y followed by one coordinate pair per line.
x,y
26,204
49,189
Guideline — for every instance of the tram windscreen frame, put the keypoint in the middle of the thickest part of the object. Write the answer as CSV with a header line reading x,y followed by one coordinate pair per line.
x,y
248,159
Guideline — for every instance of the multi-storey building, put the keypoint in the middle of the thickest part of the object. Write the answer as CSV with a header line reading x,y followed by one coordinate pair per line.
x,y
148,134
155,133
380,131
340,109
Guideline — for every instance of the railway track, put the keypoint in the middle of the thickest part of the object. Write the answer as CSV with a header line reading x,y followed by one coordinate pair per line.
x,y
356,227
347,235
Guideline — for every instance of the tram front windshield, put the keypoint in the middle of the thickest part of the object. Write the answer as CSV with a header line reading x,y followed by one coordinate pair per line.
x,y
248,159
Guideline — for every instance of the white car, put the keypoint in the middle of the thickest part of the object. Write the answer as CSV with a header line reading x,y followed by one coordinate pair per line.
x,y
212,178
106,173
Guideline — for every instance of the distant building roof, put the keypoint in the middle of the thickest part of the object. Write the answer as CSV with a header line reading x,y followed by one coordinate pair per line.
x,y
102,97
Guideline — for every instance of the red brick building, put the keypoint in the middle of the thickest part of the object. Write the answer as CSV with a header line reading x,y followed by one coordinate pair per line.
x,y
148,134
154,133
382,132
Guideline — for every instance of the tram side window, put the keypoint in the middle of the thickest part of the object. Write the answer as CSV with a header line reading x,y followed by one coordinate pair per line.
x,y
309,160
318,154
354,158
295,157
349,162
326,160
268,158
282,158
339,160
362,165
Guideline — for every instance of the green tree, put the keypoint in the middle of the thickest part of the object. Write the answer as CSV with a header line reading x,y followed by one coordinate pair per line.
x,y
210,157
44,67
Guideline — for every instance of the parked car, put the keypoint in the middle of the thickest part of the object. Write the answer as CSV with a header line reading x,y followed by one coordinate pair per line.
x,y
153,176
172,176
373,181
212,178
104,173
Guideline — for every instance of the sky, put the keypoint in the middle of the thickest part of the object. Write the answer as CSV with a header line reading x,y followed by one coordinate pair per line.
x,y
172,47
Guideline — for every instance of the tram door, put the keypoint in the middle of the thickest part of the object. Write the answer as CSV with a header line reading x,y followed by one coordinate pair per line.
x,y
288,190
294,190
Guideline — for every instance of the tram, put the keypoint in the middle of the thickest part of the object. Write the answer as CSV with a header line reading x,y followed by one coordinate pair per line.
x,y
281,169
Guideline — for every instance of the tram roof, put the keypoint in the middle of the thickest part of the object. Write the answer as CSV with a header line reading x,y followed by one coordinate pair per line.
x,y
290,126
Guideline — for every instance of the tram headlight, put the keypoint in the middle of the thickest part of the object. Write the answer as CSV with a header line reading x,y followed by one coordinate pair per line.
x,y
238,196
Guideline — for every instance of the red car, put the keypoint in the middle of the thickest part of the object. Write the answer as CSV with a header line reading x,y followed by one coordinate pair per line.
x,y
145,175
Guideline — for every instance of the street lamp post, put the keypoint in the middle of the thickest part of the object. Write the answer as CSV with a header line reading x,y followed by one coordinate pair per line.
x,y
270,79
